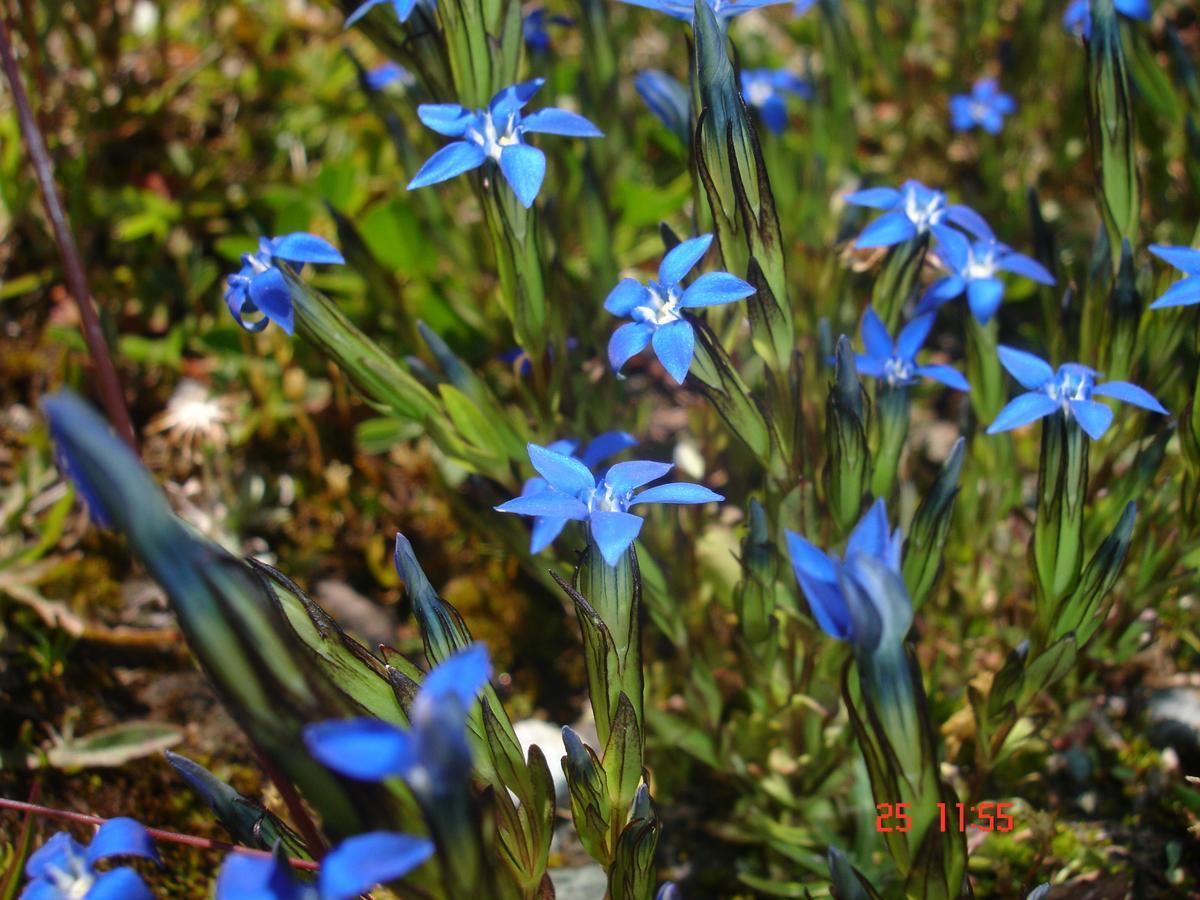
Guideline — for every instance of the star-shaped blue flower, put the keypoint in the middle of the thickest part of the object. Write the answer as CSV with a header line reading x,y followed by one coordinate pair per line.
x,y
911,211
432,755
767,91
841,592
657,308
573,493
259,287
1078,17
973,267
985,107
1070,389
403,9
547,528
1185,292
895,361
668,99
497,134
724,10
535,32
351,869
63,869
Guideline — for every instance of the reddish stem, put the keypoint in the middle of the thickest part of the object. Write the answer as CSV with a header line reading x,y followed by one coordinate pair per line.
x,y
158,834
43,169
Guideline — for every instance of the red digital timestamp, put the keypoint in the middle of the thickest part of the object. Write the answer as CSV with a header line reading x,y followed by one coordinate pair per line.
x,y
984,816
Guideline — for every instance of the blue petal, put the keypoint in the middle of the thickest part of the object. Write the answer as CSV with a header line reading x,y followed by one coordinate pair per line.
x,y
613,532
120,884
875,198
1135,9
817,575
947,375
669,100
359,863
625,476
676,264
525,168
628,341
565,473
628,294
941,291
1024,409
121,836
269,291
605,445
300,247
1186,259
775,113
1182,293
511,99
913,335
953,249
1129,393
870,535
870,365
246,877
553,120
984,296
1094,418
875,336
960,113
713,289
450,119
888,229
451,160
678,493
56,853
545,530
461,675
966,218
1029,371
547,503
674,344
1020,264
366,749
361,11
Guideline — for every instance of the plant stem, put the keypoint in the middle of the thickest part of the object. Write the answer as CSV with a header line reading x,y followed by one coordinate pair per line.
x,y
43,168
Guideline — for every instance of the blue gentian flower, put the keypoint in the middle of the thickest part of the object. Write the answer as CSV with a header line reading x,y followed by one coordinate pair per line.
x,y
350,869
767,90
895,361
63,869
657,308
668,99
403,9
1185,292
835,588
911,211
547,528
973,267
724,10
533,28
432,755
497,133
1070,389
260,287
1078,17
573,493
985,107
389,73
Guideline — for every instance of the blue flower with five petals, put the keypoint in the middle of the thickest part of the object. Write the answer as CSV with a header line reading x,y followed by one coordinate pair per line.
x,y
432,755
573,493
1078,17
260,287
911,211
840,591
973,267
985,107
767,91
895,361
63,869
547,528
724,10
657,308
351,869
1186,291
1070,390
497,134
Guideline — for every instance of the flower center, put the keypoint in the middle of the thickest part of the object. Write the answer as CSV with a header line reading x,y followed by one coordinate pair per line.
x,y
758,92
604,499
1070,385
923,207
491,139
663,307
978,110
980,266
73,885
897,371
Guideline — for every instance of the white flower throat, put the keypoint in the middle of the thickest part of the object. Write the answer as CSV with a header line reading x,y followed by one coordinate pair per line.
x,y
1073,384
604,499
898,371
663,307
758,91
492,140
923,208
981,262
